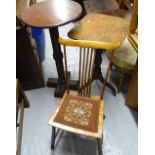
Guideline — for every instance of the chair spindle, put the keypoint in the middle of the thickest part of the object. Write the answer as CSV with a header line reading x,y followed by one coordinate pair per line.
x,y
67,80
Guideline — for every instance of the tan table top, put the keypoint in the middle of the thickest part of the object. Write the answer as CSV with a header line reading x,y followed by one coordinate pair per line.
x,y
100,27
51,13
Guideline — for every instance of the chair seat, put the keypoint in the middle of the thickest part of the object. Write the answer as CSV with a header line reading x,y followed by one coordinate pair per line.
x,y
125,57
79,114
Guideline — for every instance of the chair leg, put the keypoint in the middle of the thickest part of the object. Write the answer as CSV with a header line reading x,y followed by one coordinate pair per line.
x,y
53,137
104,116
99,145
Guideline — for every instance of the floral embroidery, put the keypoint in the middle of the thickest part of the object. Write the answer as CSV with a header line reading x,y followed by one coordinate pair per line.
x,y
78,112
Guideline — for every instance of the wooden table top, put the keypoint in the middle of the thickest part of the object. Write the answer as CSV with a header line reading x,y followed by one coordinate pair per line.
x,y
100,27
51,13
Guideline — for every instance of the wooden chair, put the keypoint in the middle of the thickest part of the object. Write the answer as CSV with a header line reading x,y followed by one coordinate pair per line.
x,y
81,112
21,103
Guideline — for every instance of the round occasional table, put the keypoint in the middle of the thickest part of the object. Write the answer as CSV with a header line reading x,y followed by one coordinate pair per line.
x,y
51,14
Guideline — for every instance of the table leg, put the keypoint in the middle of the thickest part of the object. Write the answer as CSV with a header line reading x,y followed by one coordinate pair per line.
x,y
97,71
58,57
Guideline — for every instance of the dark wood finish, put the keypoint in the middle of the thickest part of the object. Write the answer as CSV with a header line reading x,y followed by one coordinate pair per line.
x,y
99,146
58,56
26,59
51,14
97,74
28,67
53,137
20,94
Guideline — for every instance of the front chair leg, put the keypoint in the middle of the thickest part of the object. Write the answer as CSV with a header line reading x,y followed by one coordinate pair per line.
x,y
53,137
99,145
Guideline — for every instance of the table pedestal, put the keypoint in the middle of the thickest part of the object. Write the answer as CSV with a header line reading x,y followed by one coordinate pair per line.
x,y
97,74
59,82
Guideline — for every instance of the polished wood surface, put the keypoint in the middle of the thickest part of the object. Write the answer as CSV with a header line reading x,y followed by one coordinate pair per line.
x,y
90,44
51,13
102,28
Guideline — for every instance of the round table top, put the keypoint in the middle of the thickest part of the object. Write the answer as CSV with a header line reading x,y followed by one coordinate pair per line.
x,y
51,13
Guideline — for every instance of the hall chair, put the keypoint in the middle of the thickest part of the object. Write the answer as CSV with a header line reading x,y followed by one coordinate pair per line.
x,y
81,112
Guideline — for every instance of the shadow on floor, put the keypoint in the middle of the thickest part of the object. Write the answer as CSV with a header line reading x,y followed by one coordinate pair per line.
x,y
114,77
135,115
74,144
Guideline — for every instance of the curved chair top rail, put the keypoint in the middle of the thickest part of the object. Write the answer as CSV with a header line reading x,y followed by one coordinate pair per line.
x,y
89,44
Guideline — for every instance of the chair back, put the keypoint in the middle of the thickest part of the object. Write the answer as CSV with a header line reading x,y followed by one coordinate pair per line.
x,y
87,54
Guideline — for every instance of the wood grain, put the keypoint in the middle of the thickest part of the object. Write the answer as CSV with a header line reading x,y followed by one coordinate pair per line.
x,y
51,13
90,44
101,28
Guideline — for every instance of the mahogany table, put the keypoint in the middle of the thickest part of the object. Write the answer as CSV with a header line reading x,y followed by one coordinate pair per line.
x,y
51,14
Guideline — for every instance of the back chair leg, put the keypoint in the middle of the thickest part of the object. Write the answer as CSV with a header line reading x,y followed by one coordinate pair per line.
x,y
99,145
53,137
